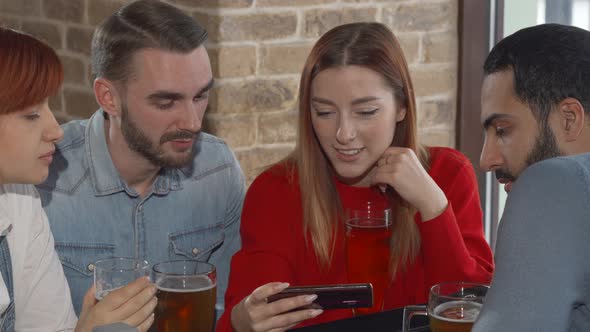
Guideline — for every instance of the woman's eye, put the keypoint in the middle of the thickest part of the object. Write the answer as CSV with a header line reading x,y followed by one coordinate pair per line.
x,y
367,112
32,116
323,112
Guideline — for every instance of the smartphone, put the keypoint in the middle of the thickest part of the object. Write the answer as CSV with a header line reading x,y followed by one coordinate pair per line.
x,y
339,296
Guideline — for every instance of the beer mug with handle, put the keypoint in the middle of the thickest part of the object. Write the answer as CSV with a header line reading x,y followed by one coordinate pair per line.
x,y
452,306
186,295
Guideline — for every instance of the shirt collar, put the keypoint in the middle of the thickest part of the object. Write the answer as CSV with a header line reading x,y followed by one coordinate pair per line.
x,y
5,218
103,174
5,229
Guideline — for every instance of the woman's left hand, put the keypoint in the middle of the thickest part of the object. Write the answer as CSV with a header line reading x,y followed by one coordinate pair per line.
x,y
401,169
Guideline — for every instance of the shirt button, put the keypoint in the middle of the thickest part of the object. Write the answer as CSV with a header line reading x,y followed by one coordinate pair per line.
x,y
195,251
90,267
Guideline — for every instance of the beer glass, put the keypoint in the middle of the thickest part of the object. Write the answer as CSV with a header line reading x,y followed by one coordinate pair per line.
x,y
116,272
186,296
368,233
452,307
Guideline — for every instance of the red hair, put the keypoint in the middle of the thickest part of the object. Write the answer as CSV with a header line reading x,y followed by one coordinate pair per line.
x,y
30,71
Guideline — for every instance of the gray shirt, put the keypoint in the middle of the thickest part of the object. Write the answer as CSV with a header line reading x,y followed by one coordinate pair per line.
x,y
542,277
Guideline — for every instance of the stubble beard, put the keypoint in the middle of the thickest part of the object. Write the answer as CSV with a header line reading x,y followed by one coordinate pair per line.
x,y
139,142
545,148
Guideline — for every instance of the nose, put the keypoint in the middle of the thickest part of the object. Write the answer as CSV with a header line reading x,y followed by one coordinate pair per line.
x,y
53,131
192,117
346,132
490,158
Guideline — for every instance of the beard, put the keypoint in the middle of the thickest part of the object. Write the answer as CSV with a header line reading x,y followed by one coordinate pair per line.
x,y
545,147
139,142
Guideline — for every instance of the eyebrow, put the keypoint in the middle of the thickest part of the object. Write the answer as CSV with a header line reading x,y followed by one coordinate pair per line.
x,y
494,117
163,94
354,102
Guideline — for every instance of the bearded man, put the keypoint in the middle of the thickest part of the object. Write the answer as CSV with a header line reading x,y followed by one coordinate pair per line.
x,y
139,178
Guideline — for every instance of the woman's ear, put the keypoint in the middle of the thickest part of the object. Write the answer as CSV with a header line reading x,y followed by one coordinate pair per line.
x,y
401,114
107,96
570,113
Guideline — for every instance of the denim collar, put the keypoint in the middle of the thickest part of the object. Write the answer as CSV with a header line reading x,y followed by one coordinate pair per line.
x,y
103,174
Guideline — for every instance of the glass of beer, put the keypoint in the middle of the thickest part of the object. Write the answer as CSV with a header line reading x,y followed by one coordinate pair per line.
x,y
452,306
368,233
116,272
186,295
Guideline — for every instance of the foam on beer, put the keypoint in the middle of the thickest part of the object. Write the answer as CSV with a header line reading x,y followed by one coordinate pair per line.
x,y
185,285
468,311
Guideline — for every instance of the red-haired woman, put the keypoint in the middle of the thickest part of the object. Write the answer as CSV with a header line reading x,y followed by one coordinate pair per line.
x,y
356,142
34,294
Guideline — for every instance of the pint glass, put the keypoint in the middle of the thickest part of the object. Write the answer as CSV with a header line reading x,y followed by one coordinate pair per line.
x,y
368,233
452,307
186,296
116,272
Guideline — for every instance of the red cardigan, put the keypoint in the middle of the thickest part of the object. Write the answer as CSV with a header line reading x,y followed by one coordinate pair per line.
x,y
273,246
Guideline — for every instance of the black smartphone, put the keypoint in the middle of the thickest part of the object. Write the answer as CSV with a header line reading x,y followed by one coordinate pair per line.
x,y
339,296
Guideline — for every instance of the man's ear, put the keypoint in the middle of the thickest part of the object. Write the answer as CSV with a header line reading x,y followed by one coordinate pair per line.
x,y
107,96
571,118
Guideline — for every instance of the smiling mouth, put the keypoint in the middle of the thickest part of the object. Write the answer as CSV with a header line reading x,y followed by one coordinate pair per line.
x,y
350,152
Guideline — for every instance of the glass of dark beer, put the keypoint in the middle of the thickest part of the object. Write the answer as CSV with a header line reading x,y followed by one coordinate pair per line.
x,y
452,306
116,272
186,295
368,233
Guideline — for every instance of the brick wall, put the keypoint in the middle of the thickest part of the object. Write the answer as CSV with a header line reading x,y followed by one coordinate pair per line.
x,y
257,49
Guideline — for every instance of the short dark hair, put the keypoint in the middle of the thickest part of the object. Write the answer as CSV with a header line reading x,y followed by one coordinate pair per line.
x,y
550,62
139,25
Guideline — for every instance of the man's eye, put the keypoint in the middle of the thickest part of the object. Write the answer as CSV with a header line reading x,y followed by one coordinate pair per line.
x,y
165,106
500,131
201,97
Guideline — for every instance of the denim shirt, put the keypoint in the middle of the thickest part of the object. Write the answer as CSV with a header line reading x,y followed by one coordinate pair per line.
x,y
189,213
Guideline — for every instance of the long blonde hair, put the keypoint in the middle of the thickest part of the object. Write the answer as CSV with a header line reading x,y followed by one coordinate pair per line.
x,y
371,45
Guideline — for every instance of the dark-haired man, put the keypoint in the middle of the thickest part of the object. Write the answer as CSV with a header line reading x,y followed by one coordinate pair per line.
x,y
535,104
139,178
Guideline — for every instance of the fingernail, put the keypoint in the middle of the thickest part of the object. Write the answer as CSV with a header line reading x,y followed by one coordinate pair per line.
x,y
154,290
310,298
283,285
152,316
315,312
383,188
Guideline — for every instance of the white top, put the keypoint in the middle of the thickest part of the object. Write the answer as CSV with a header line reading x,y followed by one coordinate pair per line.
x,y
41,293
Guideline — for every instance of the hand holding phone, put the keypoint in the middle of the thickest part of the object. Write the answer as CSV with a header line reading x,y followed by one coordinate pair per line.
x,y
339,296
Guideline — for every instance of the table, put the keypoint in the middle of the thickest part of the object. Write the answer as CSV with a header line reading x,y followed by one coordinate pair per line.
x,y
387,321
